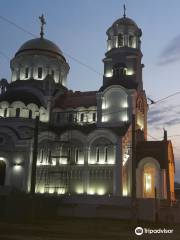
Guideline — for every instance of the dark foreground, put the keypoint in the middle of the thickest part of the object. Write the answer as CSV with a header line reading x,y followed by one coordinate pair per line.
x,y
76,228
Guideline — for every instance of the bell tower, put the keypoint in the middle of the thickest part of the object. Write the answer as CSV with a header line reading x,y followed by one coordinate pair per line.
x,y
123,67
122,62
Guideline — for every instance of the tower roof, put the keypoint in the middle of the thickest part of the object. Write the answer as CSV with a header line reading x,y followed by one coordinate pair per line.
x,y
126,23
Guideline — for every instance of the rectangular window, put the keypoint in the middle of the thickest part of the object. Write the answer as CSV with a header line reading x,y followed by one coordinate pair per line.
x,y
39,72
26,72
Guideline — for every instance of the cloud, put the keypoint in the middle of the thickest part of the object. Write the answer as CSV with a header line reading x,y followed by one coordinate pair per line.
x,y
171,53
155,119
172,122
164,115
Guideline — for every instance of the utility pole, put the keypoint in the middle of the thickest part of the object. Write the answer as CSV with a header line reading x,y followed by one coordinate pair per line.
x,y
35,153
133,181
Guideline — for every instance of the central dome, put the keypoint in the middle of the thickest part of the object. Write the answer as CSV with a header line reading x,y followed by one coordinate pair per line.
x,y
41,45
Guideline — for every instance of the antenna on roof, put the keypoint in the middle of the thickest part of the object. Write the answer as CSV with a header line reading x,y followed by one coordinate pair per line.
x,y
43,22
124,6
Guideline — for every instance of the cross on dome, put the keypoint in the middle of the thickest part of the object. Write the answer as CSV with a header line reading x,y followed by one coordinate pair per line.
x,y
124,6
43,22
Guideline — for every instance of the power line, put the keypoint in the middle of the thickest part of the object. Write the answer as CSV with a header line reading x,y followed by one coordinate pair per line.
x,y
65,53
152,102
83,64
17,26
4,55
73,58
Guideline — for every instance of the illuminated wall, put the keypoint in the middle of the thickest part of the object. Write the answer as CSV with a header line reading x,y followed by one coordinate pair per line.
x,y
26,67
80,116
10,110
115,105
73,166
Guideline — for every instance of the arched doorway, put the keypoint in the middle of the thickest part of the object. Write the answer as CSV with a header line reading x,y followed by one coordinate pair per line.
x,y
148,178
2,172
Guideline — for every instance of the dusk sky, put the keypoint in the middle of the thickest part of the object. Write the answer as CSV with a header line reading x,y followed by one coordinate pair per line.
x,y
79,27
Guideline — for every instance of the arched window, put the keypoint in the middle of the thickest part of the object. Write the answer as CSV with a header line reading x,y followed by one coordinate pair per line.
x,y
30,114
2,172
40,72
18,112
26,72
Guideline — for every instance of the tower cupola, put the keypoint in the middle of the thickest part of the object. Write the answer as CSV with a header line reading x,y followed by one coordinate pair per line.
x,y
124,51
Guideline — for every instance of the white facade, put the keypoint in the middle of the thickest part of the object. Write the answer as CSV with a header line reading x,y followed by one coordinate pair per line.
x,y
85,138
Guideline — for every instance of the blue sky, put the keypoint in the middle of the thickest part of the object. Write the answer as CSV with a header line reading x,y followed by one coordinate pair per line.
x,y
79,28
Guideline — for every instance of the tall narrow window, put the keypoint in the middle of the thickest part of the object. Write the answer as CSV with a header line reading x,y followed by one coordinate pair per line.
x,y
76,155
18,112
148,182
106,154
39,72
82,117
5,112
70,117
69,155
26,72
30,114
52,73
120,40
97,154
94,117
131,38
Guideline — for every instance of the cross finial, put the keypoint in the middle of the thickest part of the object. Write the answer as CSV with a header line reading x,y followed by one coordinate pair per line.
x,y
124,6
43,22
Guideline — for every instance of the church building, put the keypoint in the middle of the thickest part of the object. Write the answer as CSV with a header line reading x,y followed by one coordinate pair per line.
x,y
81,143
